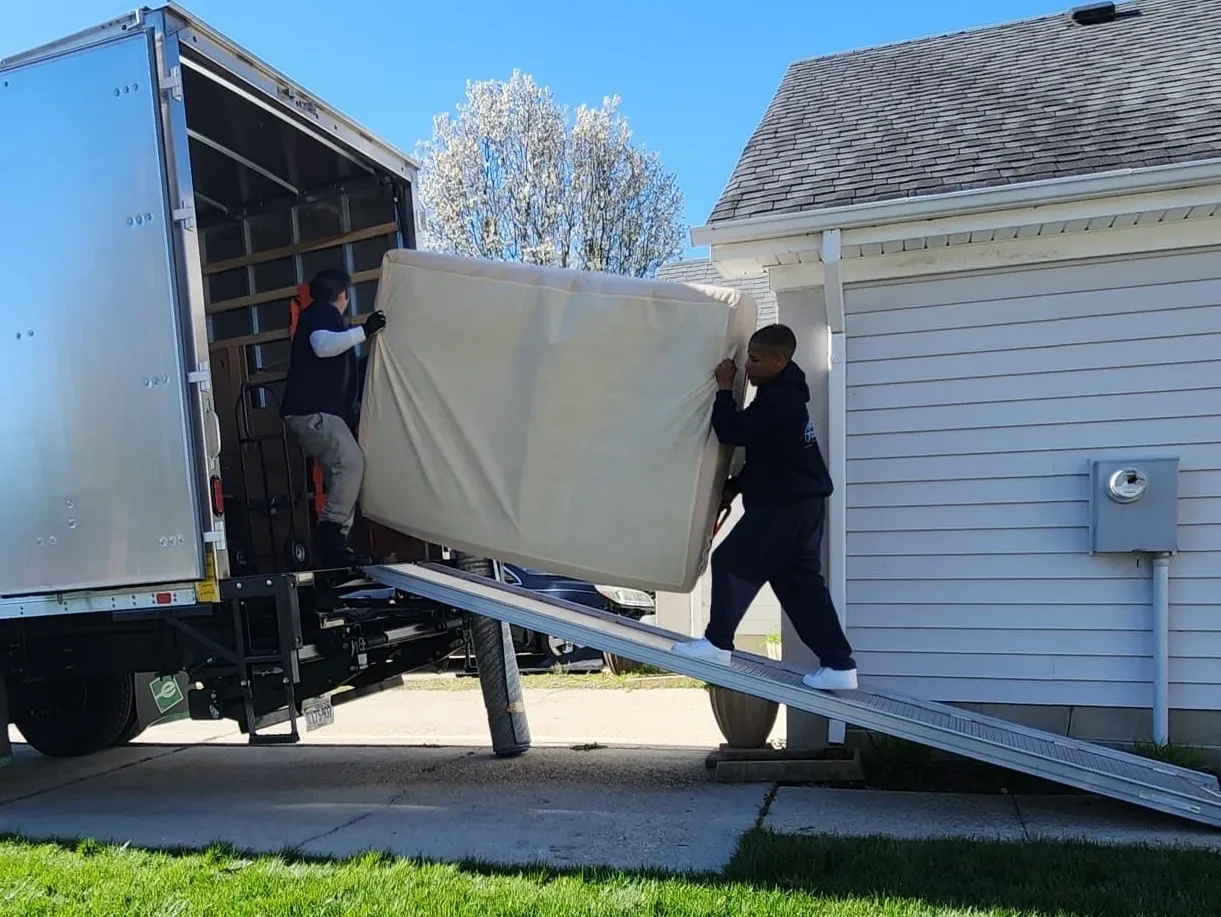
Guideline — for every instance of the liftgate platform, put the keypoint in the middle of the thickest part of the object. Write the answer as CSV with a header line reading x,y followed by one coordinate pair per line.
x,y
1087,766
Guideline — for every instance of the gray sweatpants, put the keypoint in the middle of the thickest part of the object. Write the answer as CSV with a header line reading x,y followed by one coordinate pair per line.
x,y
329,442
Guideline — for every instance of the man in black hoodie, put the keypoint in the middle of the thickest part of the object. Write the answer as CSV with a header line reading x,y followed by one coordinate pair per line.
x,y
784,486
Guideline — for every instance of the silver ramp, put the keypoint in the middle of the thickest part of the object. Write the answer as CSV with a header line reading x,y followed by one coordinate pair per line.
x,y
1094,768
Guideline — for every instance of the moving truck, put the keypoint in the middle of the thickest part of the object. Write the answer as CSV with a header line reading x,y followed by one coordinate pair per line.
x,y
164,196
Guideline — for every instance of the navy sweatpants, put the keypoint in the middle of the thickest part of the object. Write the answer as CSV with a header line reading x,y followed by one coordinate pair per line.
x,y
780,545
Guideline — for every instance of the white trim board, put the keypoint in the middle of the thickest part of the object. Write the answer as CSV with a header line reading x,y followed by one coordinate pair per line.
x,y
1113,213
954,259
1075,189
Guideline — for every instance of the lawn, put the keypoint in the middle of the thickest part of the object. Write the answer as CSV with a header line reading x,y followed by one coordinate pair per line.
x,y
771,875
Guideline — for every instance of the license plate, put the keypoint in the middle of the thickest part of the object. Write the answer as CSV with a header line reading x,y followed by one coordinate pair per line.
x,y
318,712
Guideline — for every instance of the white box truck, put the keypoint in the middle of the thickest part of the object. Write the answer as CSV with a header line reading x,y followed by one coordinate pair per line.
x,y
164,195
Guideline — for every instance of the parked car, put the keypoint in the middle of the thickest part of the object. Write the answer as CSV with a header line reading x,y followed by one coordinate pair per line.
x,y
632,603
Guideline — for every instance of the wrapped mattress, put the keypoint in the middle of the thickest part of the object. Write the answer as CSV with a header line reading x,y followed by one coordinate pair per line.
x,y
551,418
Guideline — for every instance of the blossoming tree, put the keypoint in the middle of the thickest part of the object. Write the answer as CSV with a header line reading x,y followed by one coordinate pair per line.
x,y
514,178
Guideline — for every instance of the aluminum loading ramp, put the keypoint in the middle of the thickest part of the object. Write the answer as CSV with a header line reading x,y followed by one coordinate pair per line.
x,y
1094,768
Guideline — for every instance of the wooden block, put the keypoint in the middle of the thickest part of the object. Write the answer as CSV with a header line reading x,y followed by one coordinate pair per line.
x,y
791,769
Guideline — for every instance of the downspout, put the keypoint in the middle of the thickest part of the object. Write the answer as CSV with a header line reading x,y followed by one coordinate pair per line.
x,y
1161,649
837,437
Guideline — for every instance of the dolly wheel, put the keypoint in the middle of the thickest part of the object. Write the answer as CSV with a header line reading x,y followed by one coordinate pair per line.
x,y
296,552
621,665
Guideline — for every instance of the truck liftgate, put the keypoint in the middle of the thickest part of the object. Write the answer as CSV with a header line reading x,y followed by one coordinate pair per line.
x,y
1084,765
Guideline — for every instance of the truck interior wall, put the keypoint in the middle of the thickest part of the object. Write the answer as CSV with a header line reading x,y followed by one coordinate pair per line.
x,y
274,206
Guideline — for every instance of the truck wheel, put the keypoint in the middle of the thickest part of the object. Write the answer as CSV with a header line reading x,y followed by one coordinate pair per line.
x,y
131,729
70,716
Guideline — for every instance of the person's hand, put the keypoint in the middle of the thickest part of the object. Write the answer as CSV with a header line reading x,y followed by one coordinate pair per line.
x,y
725,373
729,493
375,323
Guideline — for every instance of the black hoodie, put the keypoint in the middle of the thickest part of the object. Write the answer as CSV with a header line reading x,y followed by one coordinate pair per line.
x,y
783,461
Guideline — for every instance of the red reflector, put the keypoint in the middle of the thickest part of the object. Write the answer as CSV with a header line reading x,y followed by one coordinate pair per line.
x,y
164,598
218,497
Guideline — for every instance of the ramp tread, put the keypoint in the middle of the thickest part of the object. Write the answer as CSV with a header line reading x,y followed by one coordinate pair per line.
x,y
1086,765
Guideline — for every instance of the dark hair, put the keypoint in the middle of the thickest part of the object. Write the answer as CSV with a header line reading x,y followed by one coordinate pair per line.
x,y
327,285
777,338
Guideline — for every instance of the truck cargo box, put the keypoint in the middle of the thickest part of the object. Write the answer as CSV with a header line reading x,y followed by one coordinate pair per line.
x,y
553,418
174,192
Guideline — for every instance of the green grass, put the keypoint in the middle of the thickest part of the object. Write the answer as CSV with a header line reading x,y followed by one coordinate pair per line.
x,y
560,682
771,875
1189,756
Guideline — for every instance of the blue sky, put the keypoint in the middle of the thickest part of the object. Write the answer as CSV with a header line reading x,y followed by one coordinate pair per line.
x,y
694,77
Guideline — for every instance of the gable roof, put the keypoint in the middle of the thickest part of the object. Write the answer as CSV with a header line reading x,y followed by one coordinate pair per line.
x,y
701,270
1039,99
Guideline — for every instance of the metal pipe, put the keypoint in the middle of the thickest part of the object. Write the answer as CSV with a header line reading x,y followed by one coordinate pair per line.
x,y
836,442
242,161
275,111
1161,649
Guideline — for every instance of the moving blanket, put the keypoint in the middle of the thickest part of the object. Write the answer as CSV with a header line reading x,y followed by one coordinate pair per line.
x,y
551,418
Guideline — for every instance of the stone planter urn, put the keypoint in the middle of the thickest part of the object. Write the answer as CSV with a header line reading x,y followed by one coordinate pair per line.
x,y
744,721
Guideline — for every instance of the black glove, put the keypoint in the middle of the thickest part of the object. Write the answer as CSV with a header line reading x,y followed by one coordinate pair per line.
x,y
375,323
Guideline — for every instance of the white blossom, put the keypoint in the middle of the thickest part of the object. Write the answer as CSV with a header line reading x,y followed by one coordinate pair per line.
x,y
512,178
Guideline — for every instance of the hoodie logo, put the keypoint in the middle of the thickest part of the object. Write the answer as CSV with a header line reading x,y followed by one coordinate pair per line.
x,y
808,436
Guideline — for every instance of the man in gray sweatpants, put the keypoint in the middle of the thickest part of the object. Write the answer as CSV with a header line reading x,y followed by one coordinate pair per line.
x,y
319,405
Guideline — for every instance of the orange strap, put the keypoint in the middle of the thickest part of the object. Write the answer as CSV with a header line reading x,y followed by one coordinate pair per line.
x,y
296,306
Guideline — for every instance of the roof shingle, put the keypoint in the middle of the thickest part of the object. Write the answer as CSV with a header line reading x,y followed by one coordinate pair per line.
x,y
1039,99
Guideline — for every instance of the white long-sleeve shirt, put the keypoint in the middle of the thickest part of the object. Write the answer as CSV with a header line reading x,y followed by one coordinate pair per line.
x,y
333,343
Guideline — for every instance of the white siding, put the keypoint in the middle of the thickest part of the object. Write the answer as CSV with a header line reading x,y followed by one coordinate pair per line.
x,y
974,406
763,616
701,270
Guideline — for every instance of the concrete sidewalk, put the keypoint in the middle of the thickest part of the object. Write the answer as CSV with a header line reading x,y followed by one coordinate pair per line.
x,y
372,782
652,717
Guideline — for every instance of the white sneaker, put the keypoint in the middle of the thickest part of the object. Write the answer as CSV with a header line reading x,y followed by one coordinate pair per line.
x,y
702,649
831,680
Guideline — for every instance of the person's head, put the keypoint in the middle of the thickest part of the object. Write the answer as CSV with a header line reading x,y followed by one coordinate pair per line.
x,y
770,350
331,286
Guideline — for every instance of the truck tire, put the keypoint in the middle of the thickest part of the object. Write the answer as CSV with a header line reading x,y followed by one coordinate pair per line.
x,y
71,716
131,729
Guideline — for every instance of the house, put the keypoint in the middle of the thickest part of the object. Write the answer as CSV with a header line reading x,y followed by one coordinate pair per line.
x,y
1010,239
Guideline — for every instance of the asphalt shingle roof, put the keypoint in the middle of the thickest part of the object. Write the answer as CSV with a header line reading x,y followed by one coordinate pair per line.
x,y
701,270
1026,101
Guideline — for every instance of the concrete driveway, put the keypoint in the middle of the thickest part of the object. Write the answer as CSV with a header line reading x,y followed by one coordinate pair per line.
x,y
411,772
616,778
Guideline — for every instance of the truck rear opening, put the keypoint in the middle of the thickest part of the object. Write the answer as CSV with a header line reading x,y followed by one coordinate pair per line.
x,y
275,206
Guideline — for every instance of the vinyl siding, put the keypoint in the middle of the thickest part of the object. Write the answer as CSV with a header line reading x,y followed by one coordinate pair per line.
x,y
974,406
763,616
701,270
